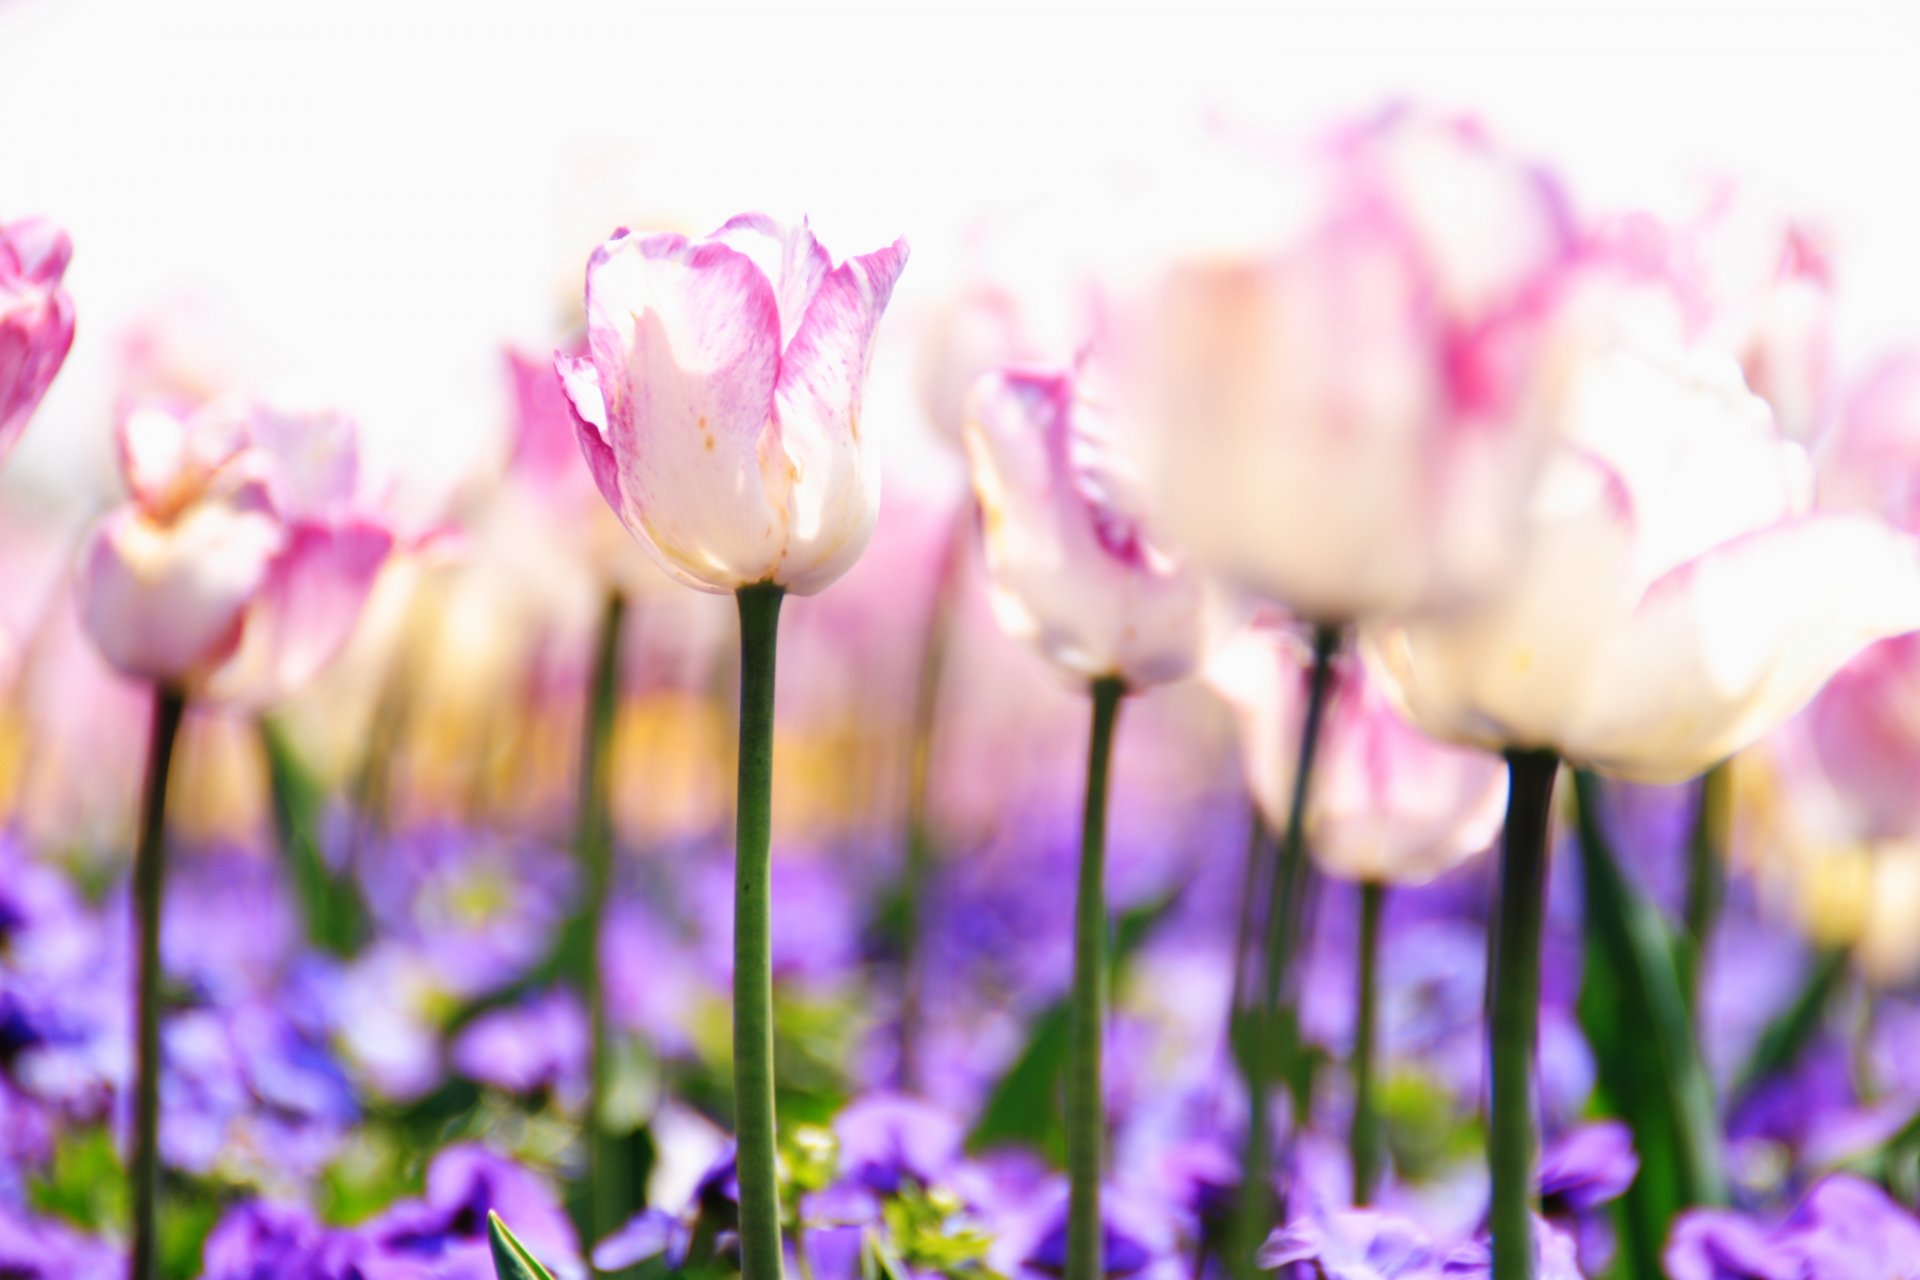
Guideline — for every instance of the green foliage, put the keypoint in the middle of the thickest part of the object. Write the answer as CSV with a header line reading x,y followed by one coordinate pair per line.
x,y
511,1261
330,901
1633,1009
1426,1129
929,1231
1025,1106
84,1183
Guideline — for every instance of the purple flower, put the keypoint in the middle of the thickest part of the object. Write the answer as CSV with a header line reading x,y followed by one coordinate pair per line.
x,y
38,1249
889,1139
1369,1244
446,1230
540,1044
1587,1167
261,1240
1718,1244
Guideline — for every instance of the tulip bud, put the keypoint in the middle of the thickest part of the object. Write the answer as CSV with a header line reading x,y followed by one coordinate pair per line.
x,y
1675,599
719,402
36,320
1070,564
240,565
1389,804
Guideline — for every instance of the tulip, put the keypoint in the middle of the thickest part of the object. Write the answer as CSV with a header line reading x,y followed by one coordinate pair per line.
x,y
1391,807
235,573
718,407
36,320
719,403
1326,387
239,567
1072,570
1320,399
1675,600
1870,460
1838,815
1070,565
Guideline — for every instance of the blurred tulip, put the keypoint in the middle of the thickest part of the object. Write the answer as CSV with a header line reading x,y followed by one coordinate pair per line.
x,y
1070,565
36,320
1324,399
1390,805
1676,599
239,567
1870,460
1838,817
719,403
1771,289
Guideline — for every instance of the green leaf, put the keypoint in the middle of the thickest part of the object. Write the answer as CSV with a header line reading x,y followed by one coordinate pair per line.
x,y
1634,1011
336,914
1024,1108
511,1261
1792,1029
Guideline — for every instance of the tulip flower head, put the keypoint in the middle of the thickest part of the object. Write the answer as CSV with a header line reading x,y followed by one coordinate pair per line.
x,y
1837,818
1389,805
1676,597
719,403
1070,563
1321,398
36,320
240,564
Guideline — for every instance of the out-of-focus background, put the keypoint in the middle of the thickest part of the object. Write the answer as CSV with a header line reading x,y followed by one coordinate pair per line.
x,y
369,196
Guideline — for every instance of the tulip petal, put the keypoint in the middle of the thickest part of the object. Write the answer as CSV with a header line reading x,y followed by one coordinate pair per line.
x,y
832,505
580,383
685,339
165,602
793,262
1728,646
304,613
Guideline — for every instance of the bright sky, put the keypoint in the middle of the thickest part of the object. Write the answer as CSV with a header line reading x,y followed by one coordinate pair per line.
x,y
372,196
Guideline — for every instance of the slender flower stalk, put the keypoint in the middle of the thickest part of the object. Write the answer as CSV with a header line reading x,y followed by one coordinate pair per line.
x,y
1514,1016
1364,1138
149,876
753,1099
1086,1108
594,841
920,852
1256,1211
1707,873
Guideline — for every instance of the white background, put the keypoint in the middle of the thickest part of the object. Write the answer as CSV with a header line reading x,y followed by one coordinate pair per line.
x,y
373,196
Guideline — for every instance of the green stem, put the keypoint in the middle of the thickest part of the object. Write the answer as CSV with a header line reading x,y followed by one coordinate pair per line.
x,y
594,842
1514,964
1706,876
752,944
149,880
1086,1108
1364,1140
918,872
1255,1215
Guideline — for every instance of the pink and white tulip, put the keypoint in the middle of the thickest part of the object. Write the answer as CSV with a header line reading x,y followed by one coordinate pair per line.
x,y
1324,397
1870,460
36,320
1071,566
1676,597
239,566
1389,805
719,403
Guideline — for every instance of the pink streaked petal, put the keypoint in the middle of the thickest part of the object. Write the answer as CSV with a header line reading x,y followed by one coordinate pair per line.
x,y
580,391
152,448
790,258
308,458
306,609
36,332
1726,647
685,339
40,250
165,602
831,510
544,451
